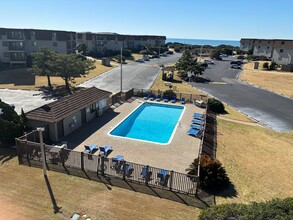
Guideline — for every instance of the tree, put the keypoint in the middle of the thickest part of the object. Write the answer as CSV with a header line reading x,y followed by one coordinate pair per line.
x,y
273,66
216,105
82,48
43,63
70,66
11,124
187,64
215,54
118,58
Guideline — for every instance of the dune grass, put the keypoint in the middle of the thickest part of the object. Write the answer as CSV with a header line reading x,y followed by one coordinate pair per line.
x,y
258,162
24,192
275,81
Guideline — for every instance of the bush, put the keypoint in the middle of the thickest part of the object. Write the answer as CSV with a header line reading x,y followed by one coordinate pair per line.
x,y
274,209
265,65
216,106
169,93
273,66
212,174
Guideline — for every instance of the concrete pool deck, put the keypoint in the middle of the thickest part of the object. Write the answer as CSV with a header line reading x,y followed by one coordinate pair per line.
x,y
177,155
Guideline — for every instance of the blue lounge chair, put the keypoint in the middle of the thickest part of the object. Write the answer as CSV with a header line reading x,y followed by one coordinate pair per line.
x,y
197,121
173,100
158,98
182,101
106,150
91,148
146,176
198,115
145,96
117,163
166,99
196,126
152,97
128,170
163,177
194,132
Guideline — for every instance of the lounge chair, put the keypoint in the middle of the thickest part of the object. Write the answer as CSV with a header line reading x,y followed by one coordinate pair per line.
x,y
146,176
158,98
106,150
197,121
198,115
173,100
163,177
90,148
152,97
128,170
182,101
194,132
196,126
166,99
145,96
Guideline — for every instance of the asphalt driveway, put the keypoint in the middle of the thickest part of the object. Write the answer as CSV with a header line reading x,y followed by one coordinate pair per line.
x,y
270,109
134,75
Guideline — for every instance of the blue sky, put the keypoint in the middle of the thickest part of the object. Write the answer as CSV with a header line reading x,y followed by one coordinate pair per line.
x,y
191,19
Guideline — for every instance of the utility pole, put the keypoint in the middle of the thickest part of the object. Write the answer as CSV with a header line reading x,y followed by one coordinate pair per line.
x,y
40,130
159,56
121,69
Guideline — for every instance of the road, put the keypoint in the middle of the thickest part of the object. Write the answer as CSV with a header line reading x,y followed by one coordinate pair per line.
x,y
135,75
270,109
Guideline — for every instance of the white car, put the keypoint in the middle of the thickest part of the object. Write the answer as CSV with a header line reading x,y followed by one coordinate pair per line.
x,y
235,66
209,62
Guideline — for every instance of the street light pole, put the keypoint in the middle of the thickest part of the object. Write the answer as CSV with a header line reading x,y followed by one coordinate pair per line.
x,y
40,130
121,70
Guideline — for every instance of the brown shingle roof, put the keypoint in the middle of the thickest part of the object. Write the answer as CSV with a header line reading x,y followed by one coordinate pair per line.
x,y
66,106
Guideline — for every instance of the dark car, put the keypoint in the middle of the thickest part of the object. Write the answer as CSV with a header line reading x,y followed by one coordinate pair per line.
x,y
155,56
235,66
237,62
205,65
170,52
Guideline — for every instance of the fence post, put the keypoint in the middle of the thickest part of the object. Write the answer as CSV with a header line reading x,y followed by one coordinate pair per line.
x,y
147,175
82,161
171,179
124,167
102,165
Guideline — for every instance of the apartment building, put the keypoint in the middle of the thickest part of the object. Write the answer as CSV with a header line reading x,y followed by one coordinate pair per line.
x,y
246,44
279,50
100,42
283,52
17,44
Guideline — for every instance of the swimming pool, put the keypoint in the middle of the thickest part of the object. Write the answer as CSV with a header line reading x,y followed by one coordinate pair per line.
x,y
151,122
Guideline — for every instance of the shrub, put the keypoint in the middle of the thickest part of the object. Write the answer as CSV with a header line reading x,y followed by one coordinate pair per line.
x,y
265,65
274,209
169,93
216,106
212,174
273,66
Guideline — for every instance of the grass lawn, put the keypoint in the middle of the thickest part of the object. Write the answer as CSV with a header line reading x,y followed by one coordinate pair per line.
x,y
179,85
279,82
24,195
23,78
258,161
232,113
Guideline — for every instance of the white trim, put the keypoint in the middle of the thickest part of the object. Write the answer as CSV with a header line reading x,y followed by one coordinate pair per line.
x,y
170,138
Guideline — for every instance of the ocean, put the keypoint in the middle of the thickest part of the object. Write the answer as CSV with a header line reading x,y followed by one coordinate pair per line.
x,y
204,42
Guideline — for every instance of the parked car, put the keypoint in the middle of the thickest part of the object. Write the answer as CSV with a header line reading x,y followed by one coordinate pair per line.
x,y
235,66
209,62
170,52
155,56
146,58
140,60
223,55
238,62
205,65
163,54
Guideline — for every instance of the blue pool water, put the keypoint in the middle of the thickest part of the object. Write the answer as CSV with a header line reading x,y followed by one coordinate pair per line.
x,y
150,122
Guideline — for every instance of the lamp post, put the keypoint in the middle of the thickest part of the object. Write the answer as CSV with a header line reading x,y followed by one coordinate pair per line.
x,y
40,130
121,70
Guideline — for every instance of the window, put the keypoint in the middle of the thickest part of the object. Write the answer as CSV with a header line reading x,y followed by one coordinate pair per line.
x,y
33,33
6,54
258,47
93,108
54,44
268,47
259,41
280,58
34,43
283,42
5,44
54,34
281,50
